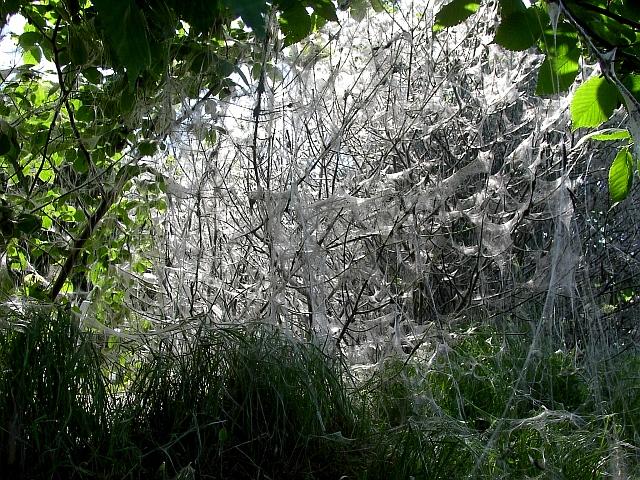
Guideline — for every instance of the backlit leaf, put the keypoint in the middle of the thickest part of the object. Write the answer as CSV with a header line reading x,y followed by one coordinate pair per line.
x,y
621,176
252,12
593,103
455,13
521,30
560,67
632,82
324,8
295,23
615,134
507,7
46,175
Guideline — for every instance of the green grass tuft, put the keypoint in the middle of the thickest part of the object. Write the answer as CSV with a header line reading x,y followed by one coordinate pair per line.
x,y
249,402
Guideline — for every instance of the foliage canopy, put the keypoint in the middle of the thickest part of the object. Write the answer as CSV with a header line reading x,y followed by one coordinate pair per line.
x,y
123,73
566,30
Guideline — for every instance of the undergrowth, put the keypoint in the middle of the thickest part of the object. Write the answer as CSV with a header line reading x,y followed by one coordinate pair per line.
x,y
250,402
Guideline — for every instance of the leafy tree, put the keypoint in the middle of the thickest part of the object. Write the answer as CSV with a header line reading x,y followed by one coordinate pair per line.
x,y
605,31
73,142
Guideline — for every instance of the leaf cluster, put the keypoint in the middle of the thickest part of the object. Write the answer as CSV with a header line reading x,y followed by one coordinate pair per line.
x,y
565,31
71,146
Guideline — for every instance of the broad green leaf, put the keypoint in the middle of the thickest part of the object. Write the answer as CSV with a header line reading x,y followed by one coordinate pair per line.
x,y
324,8
295,23
632,82
28,39
85,113
201,15
455,13
46,175
67,213
47,222
147,149
507,7
67,287
78,50
593,103
318,22
252,12
521,30
560,67
621,176
125,30
32,56
601,26
80,164
613,134
378,5
93,75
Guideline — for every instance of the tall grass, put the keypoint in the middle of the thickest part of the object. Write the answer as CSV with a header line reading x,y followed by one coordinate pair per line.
x,y
53,400
249,402
233,403
243,403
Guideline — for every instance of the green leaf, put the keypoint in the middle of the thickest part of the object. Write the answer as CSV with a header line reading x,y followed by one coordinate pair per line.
x,y
47,222
46,175
521,30
455,13
612,134
632,82
324,8
601,26
593,103
80,164
560,67
85,113
125,31
29,39
147,149
77,48
507,7
318,22
93,75
378,5
621,176
202,15
295,23
252,12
